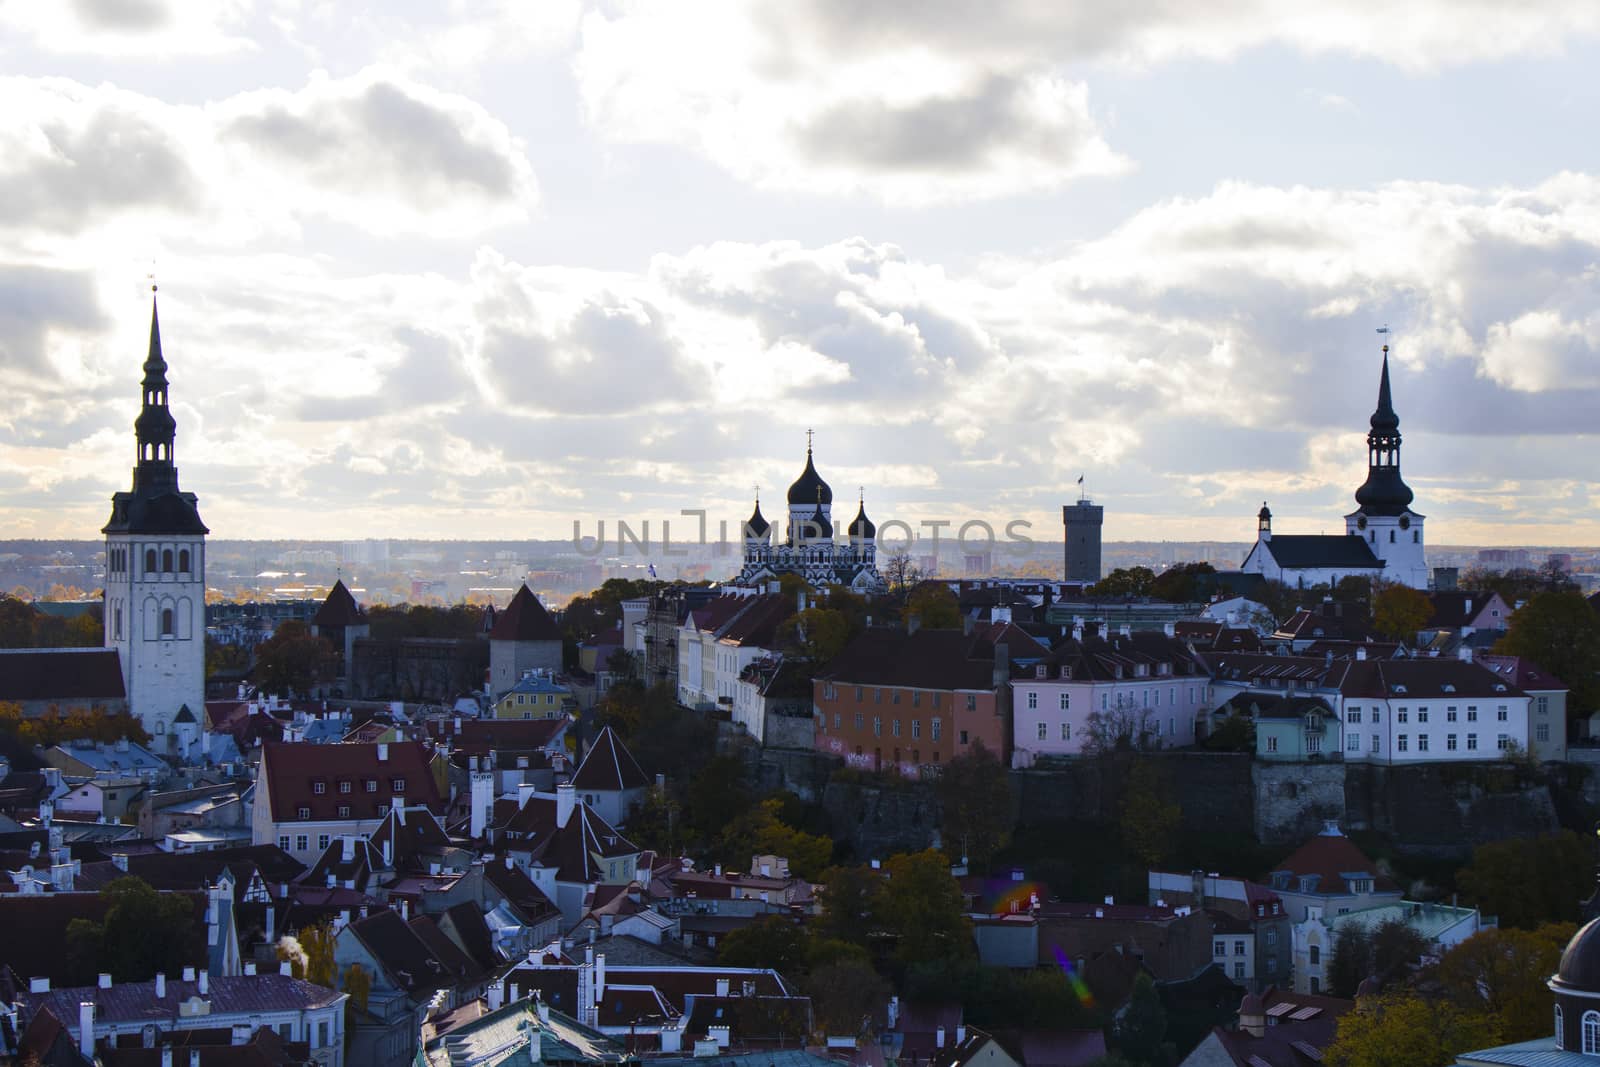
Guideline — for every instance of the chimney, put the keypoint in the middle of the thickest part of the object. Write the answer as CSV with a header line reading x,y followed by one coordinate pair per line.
x,y
496,996
383,752
166,1056
722,987
194,1057
105,980
250,968
205,984
938,1037
599,977
286,969
566,800
38,985
188,974
1002,664
1361,654
161,979
1253,1023
347,849
86,1028
1465,652
1110,900
119,860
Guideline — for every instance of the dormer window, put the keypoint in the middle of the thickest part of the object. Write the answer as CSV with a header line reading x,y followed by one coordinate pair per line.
x,y
1448,688
304,813
1041,671
372,785
319,787
344,785
397,785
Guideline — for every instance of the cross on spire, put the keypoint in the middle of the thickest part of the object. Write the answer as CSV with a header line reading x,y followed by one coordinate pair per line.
x,y
808,441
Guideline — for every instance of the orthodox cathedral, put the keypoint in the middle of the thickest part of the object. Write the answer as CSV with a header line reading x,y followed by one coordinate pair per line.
x,y
1383,536
155,588
810,549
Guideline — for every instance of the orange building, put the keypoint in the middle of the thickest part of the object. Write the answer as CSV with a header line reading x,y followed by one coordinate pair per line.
x,y
914,701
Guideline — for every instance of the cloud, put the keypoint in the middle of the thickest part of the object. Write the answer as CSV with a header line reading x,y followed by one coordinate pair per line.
x,y
1541,351
132,28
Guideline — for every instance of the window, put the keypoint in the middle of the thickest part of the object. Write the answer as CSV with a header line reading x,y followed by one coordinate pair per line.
x,y
894,697
1044,731
877,726
1353,715
322,842
916,698
344,811
861,721
1591,1033
1560,1037
1400,715
1400,743
1219,948
1238,948
372,785
1377,742
283,842
936,697
1422,714
167,628
877,696
1313,742
1472,713
1033,700
322,1035
1272,965
1238,970
963,737
894,728
150,561
837,719
1315,954
1272,938
860,694
1450,714
1066,731
304,813
1316,984
1450,743
183,561
935,735
1272,744
302,843
972,702
344,786
1541,705
1502,742
916,729
166,560
1105,699
397,785
1066,701
1472,742
1352,743
1376,713
1542,732
1501,713
319,788
1422,742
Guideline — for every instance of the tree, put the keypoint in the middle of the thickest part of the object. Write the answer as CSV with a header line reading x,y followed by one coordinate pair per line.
x,y
1125,582
919,904
717,795
974,794
846,995
1149,816
1396,949
900,573
1183,583
1120,730
294,659
761,831
143,932
1399,611
1529,881
1351,962
1561,633
818,634
1237,733
935,605
1406,1030
1502,974
1141,1031
358,983
318,943
772,941
847,901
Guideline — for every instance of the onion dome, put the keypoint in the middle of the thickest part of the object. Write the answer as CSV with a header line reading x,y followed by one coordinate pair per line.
x,y
1265,514
820,526
861,527
1384,492
810,486
757,525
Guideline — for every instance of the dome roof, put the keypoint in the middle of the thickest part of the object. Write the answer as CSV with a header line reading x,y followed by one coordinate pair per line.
x,y
819,521
757,525
809,488
1264,514
1580,963
861,526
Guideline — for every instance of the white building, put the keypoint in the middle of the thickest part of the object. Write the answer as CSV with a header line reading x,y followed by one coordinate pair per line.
x,y
1441,927
155,588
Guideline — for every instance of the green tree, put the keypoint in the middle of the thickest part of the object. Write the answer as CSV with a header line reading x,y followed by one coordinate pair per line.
x,y
1561,633
818,634
847,902
717,794
761,831
974,794
1126,582
1398,611
1502,974
919,905
1351,962
143,932
294,659
1236,733
17,621
935,605
1149,816
846,995
1529,881
1183,583
1406,1030
358,983
1141,1031
774,941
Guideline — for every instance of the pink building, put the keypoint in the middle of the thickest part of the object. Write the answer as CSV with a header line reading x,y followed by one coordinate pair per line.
x,y
1146,686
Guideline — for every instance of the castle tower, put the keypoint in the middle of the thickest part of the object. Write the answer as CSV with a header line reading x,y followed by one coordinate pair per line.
x,y
1082,522
155,590
1383,517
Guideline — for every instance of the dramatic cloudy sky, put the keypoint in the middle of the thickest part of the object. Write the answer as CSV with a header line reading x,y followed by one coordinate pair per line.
x,y
477,269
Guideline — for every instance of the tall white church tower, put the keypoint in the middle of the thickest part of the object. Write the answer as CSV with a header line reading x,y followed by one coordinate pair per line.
x,y
1383,517
155,576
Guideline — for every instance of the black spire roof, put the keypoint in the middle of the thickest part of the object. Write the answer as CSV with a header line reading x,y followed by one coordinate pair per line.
x,y
757,526
861,526
810,486
155,506
820,526
1384,492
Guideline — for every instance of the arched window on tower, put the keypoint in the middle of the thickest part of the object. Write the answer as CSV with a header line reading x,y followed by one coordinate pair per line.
x,y
1591,1033
183,561
1391,537
150,561
1416,537
166,560
166,622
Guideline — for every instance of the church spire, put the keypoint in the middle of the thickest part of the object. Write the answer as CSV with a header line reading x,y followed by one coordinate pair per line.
x,y
155,428
1384,492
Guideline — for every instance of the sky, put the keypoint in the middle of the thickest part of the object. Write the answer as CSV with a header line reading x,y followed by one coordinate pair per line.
x,y
485,270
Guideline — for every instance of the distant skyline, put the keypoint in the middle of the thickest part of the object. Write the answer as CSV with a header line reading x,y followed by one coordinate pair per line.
x,y
570,260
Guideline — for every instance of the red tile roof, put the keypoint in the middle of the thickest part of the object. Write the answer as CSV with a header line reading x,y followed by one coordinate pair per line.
x,y
927,659
340,609
291,772
60,674
608,767
524,620
1522,672
1328,857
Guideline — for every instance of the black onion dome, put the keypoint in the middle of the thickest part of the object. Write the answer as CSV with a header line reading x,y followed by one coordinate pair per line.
x,y
757,526
1580,963
821,526
1265,515
810,487
861,526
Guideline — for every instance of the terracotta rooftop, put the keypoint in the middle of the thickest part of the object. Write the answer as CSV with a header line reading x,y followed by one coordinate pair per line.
x,y
359,776
340,609
60,674
524,619
608,766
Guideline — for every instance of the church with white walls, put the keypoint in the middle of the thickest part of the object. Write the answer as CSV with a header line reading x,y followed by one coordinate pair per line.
x,y
811,549
155,589
1383,537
